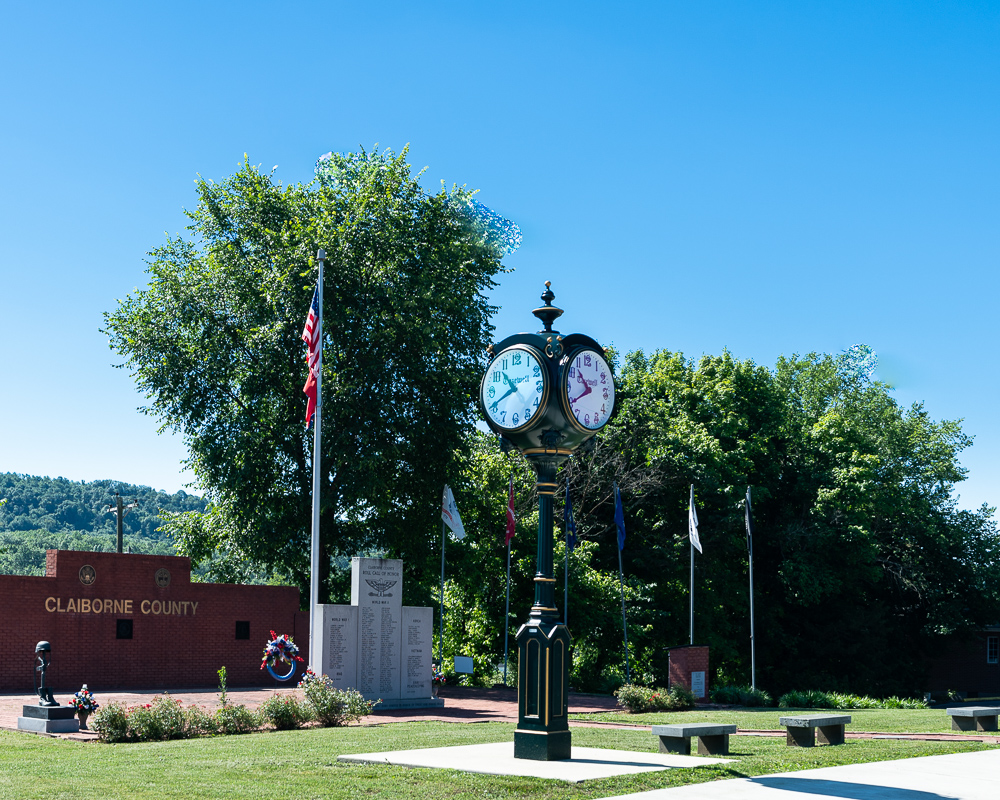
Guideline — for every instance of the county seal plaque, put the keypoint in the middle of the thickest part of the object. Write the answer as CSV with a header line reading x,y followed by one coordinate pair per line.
x,y
87,575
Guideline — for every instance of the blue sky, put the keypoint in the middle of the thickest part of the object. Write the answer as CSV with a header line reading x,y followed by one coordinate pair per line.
x,y
767,177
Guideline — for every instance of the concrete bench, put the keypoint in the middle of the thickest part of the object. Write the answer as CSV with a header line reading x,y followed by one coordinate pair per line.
x,y
806,730
974,718
713,739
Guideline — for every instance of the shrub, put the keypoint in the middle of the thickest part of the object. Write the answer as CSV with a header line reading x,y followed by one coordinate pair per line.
x,y
330,706
741,696
111,722
198,722
143,724
283,713
816,699
169,716
235,719
808,699
636,699
639,699
679,698
904,702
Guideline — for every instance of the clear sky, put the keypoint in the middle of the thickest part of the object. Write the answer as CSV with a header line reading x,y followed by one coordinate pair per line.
x,y
767,177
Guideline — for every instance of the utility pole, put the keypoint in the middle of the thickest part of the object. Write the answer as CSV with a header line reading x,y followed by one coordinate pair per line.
x,y
120,510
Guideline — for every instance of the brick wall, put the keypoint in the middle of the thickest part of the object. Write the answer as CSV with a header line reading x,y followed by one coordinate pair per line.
x,y
182,631
963,666
683,661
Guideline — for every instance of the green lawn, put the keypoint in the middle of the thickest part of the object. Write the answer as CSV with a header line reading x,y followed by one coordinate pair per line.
x,y
302,764
921,720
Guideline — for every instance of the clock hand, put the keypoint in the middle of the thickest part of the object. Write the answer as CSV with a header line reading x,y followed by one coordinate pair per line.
x,y
586,387
501,397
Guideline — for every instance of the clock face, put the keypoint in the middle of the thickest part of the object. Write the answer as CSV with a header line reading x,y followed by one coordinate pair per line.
x,y
514,388
588,389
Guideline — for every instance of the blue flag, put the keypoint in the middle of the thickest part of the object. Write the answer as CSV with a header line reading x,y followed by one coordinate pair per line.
x,y
569,522
619,518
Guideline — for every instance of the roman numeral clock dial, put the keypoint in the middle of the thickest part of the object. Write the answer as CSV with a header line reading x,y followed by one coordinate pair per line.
x,y
587,390
515,387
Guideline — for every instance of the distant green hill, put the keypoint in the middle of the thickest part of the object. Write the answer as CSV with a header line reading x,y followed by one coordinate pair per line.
x,y
59,514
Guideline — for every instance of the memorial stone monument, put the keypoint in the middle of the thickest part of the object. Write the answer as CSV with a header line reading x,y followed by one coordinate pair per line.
x,y
376,644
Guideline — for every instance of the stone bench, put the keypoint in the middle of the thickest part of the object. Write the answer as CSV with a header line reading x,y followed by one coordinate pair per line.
x,y
806,730
713,739
974,718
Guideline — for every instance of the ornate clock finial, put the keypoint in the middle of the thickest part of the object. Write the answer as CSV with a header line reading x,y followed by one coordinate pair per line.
x,y
548,313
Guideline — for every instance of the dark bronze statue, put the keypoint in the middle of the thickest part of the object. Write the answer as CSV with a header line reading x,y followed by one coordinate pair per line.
x,y
45,698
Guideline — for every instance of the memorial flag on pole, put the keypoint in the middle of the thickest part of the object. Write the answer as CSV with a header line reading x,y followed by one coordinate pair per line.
x,y
693,523
749,516
510,512
312,335
619,518
449,513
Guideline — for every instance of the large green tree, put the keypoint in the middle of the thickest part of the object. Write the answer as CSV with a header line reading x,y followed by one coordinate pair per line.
x,y
864,565
214,343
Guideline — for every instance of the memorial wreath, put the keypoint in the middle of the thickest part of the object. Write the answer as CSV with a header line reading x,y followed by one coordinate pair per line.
x,y
280,649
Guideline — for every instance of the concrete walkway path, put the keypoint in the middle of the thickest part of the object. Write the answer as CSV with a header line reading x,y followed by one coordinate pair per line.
x,y
959,776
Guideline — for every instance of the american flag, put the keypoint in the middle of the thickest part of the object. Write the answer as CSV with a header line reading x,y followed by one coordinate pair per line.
x,y
312,335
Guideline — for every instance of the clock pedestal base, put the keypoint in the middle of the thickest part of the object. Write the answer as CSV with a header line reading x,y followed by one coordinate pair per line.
x,y
543,642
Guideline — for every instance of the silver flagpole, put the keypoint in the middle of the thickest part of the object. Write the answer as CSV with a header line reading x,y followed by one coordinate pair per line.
x,y
753,651
691,545
621,582
566,583
441,637
316,657
506,620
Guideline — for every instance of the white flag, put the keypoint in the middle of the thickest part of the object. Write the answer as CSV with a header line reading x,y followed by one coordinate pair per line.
x,y
449,513
693,523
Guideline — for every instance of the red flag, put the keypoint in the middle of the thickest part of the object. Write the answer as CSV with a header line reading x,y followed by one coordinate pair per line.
x,y
312,336
510,512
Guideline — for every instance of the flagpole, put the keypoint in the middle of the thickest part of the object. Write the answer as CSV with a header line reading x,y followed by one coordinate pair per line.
x,y
753,650
620,525
691,593
441,638
506,620
753,653
566,582
315,657
621,583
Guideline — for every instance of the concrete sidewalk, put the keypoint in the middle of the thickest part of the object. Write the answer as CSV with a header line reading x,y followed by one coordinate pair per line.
x,y
959,776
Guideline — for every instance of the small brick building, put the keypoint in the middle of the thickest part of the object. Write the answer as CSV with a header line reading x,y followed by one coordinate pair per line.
x,y
971,667
124,621
687,666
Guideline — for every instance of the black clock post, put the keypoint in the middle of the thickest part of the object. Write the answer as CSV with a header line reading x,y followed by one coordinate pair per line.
x,y
540,398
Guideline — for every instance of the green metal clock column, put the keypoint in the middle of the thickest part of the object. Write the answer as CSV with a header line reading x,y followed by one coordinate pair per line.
x,y
543,641
547,395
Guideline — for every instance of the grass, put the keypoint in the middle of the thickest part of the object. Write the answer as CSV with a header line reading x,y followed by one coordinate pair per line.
x,y
918,720
303,764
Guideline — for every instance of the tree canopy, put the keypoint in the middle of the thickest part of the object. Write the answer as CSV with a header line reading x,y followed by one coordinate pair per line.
x,y
863,563
214,343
